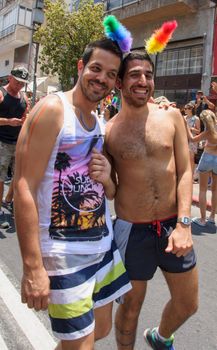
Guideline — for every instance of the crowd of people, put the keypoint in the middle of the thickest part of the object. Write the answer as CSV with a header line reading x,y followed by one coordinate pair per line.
x,y
76,262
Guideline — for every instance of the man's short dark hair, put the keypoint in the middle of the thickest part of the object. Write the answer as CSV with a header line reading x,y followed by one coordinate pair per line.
x,y
134,55
104,44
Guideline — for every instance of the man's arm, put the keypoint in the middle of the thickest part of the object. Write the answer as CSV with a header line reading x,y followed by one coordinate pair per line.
x,y
34,147
180,241
209,103
214,86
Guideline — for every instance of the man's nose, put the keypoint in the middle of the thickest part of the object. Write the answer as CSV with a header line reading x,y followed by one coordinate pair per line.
x,y
102,77
143,79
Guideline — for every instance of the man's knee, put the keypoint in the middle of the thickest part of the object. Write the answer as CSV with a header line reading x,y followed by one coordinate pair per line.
x,y
186,308
102,330
131,307
190,307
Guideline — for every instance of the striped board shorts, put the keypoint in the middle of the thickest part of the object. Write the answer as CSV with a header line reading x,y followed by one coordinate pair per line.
x,y
80,283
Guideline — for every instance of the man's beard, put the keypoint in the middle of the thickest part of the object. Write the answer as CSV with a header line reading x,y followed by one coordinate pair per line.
x,y
91,96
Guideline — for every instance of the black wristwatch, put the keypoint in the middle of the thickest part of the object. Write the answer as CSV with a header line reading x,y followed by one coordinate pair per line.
x,y
185,220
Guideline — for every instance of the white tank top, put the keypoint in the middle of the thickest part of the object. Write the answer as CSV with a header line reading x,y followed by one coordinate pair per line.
x,y
73,211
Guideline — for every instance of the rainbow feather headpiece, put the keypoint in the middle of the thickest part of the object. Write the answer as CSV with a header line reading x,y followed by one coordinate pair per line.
x,y
115,31
159,39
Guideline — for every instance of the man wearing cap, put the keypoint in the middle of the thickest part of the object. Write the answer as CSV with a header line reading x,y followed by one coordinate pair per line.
x,y
13,109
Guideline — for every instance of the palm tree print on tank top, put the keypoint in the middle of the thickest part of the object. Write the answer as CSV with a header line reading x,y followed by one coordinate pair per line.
x,y
78,202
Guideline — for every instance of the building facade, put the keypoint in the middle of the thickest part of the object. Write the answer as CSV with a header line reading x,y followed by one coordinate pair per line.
x,y
17,21
186,65
15,34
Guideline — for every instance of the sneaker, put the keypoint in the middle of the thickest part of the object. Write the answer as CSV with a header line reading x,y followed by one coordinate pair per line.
x,y
210,221
198,222
155,343
3,222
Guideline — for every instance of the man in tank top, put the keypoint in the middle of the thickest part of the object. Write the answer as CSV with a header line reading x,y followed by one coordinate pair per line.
x,y
71,264
13,109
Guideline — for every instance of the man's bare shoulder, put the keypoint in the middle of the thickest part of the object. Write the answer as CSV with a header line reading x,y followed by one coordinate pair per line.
x,y
112,122
46,111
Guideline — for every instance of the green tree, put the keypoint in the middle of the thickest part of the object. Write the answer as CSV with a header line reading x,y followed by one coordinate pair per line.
x,y
65,35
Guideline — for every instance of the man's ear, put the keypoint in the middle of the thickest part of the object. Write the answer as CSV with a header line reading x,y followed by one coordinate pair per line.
x,y
80,65
118,84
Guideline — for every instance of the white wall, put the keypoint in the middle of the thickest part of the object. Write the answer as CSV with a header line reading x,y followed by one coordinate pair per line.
x,y
5,70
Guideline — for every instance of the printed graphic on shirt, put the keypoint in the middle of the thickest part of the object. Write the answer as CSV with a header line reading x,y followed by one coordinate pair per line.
x,y
78,202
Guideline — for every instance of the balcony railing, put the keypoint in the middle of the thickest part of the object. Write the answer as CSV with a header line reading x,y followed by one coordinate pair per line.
x,y
114,4
7,31
147,5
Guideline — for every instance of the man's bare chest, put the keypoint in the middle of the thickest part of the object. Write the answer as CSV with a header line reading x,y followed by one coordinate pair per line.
x,y
142,143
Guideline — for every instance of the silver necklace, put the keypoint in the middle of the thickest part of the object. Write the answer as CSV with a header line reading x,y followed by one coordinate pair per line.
x,y
85,126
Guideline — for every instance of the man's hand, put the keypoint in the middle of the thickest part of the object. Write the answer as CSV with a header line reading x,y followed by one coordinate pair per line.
x,y
214,86
99,168
35,289
180,241
15,122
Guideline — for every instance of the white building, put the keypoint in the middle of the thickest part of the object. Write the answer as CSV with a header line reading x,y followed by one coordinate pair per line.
x,y
16,46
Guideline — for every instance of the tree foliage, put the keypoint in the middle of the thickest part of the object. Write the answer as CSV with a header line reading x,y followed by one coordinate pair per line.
x,y
65,35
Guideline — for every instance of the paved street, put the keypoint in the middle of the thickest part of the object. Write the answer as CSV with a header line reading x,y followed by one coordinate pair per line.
x,y
22,329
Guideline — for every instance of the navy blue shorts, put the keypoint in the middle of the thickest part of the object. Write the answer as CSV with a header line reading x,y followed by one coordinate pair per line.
x,y
142,247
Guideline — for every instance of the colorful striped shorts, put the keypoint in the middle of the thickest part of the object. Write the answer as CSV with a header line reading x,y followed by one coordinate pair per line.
x,y
80,283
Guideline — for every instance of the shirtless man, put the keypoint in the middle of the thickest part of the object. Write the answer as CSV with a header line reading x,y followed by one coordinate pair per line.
x,y
152,203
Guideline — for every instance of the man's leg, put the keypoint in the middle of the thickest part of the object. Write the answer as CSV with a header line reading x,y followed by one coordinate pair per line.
x,y
126,318
1,192
202,195
183,303
214,197
3,221
103,321
10,194
85,343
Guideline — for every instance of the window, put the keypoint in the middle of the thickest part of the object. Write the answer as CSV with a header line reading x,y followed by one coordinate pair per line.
x,y
9,18
180,61
25,16
196,60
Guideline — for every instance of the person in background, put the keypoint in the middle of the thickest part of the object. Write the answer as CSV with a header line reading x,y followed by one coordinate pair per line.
x,y
13,110
194,124
207,165
201,103
109,112
214,86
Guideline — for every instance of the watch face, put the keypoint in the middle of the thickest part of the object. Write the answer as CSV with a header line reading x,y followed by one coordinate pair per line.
x,y
186,220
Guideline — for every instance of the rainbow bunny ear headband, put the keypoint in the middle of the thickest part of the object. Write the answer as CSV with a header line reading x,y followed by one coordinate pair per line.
x,y
115,31
159,39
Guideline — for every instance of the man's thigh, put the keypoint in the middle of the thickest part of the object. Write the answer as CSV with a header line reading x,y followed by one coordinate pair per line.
x,y
183,286
72,281
6,155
